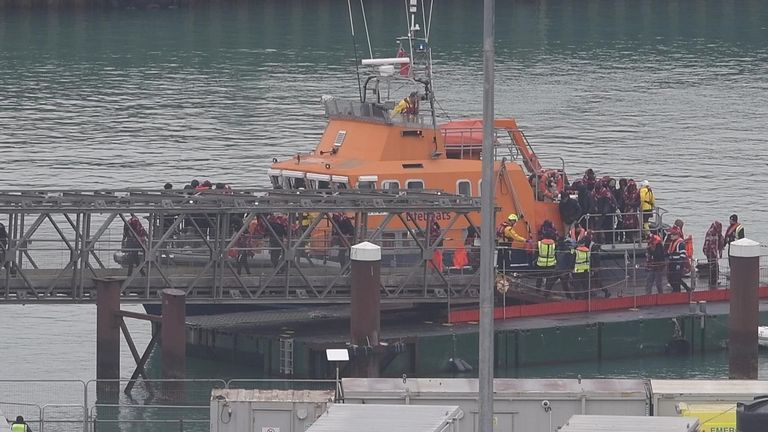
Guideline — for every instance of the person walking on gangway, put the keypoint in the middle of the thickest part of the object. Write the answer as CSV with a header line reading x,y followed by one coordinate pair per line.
x,y
20,425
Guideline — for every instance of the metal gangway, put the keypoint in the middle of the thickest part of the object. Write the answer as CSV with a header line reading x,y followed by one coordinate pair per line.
x,y
59,241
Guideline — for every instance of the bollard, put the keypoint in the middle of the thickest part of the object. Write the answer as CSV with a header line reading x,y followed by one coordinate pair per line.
x,y
744,256
173,341
107,339
365,320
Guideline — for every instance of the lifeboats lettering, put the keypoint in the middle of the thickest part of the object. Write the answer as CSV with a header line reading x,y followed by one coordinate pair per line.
x,y
722,429
422,216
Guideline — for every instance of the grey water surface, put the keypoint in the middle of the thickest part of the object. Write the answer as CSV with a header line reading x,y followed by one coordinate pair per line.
x,y
669,91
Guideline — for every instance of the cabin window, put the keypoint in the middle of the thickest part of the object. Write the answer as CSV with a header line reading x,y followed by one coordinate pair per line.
x,y
296,183
390,185
406,242
339,185
414,184
366,185
276,182
323,184
464,188
388,240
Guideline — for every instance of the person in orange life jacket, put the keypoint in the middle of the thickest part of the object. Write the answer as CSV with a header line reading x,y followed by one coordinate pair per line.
x,y
676,255
511,253
409,105
734,232
655,256
668,239
714,242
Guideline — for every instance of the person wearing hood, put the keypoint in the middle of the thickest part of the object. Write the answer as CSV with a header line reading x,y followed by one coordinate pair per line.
x,y
630,210
714,242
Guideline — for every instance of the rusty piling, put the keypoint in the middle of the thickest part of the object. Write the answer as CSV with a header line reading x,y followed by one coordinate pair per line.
x,y
107,338
365,320
744,258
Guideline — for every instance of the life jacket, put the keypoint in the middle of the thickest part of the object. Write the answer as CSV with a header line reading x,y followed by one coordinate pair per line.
x,y
647,199
734,232
437,260
546,253
460,258
577,233
581,264
676,249
18,427
500,231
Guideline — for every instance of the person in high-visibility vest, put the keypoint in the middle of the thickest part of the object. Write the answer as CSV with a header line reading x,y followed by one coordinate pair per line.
x,y
545,263
20,425
647,204
734,232
581,271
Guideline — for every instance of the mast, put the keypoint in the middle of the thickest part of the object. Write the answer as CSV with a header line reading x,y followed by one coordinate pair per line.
x,y
488,222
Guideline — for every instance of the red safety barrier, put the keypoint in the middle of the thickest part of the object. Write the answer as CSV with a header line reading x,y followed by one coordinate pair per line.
x,y
598,304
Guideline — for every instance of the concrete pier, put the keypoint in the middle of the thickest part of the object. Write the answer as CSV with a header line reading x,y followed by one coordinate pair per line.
x,y
365,320
107,338
744,256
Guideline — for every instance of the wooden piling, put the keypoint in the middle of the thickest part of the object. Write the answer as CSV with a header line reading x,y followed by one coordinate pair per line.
x,y
173,341
365,319
107,338
744,257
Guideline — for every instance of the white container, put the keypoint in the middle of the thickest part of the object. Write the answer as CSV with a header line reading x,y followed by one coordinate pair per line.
x,y
517,402
388,418
235,410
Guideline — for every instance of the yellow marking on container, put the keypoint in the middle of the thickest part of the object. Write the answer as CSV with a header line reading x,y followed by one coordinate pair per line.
x,y
713,417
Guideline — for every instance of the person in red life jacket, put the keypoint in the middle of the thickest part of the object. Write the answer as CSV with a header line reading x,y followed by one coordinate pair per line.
x,y
714,242
511,251
655,261
631,210
244,247
134,239
409,106
676,256
279,225
589,179
343,229
734,232
473,252
606,208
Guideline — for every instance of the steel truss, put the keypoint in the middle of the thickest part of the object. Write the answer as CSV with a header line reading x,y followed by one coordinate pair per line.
x,y
59,240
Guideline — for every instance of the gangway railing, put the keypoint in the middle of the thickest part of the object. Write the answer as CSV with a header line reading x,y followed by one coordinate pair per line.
x,y
60,240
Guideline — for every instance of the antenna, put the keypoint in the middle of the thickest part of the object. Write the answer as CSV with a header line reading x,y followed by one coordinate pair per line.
x,y
354,46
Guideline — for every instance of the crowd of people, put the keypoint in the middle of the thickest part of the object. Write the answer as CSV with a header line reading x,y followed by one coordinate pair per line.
x,y
568,259
599,211
612,209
